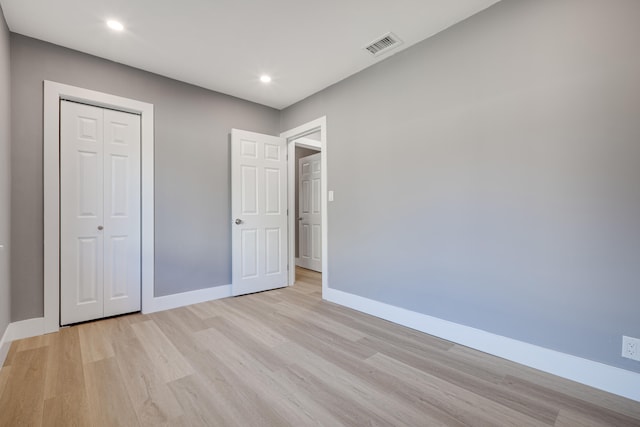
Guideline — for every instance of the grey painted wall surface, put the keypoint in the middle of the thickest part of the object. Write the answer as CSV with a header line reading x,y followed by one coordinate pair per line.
x,y
5,177
300,153
490,175
192,187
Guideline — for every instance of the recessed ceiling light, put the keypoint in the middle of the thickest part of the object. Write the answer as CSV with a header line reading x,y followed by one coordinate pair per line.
x,y
115,25
265,79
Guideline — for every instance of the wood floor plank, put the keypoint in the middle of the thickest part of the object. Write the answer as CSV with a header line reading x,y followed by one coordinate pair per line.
x,y
64,370
570,418
69,409
439,359
165,358
308,277
150,396
321,321
5,372
245,394
33,342
94,342
322,339
246,340
177,330
51,385
468,407
13,348
188,319
208,309
270,297
200,404
254,307
22,402
255,329
496,392
119,328
108,401
378,406
590,411
347,410
569,388
384,330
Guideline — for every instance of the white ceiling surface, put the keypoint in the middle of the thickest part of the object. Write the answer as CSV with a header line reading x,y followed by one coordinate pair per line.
x,y
225,45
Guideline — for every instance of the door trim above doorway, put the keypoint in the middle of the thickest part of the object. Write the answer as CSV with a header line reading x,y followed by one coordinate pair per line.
x,y
309,143
291,135
53,93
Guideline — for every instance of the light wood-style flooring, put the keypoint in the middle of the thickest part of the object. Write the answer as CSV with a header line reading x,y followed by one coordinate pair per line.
x,y
280,358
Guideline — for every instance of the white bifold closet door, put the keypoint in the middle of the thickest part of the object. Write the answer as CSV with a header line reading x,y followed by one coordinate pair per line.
x,y
99,212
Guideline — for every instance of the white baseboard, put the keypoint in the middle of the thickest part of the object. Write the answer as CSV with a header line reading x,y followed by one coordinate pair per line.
x,y
187,298
19,330
26,328
598,375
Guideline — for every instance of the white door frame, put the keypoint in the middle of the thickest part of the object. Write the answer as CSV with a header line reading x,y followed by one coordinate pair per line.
x,y
291,135
53,93
310,144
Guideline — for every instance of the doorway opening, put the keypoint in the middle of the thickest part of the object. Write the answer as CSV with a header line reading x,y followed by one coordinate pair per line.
x,y
308,249
311,135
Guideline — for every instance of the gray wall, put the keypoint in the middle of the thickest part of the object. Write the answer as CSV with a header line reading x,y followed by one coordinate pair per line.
x,y
490,175
192,188
300,153
5,177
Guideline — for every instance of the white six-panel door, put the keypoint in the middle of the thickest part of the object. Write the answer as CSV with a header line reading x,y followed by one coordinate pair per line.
x,y
259,212
99,212
310,219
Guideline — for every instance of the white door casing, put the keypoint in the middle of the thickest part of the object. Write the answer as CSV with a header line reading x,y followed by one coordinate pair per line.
x,y
53,94
259,212
310,215
100,212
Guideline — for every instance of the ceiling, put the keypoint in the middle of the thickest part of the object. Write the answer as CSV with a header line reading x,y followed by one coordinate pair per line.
x,y
226,45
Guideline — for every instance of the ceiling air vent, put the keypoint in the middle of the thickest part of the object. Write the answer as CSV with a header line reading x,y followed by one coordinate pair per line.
x,y
383,44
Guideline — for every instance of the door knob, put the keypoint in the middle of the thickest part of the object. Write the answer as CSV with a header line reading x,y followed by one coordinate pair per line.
x,y
300,219
100,227
238,221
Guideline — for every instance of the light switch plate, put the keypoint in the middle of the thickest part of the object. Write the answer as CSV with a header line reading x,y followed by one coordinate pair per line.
x,y
331,195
